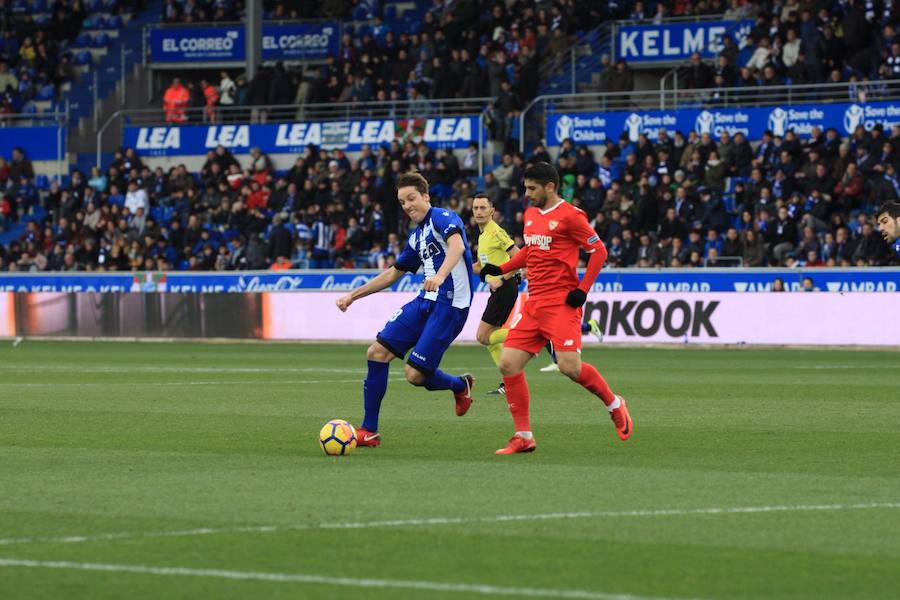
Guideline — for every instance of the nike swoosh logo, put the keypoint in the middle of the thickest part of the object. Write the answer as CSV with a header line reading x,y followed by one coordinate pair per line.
x,y
369,438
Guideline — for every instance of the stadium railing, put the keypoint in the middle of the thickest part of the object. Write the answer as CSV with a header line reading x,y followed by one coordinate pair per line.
x,y
262,114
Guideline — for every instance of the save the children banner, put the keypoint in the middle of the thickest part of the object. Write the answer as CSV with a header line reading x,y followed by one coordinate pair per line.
x,y
594,128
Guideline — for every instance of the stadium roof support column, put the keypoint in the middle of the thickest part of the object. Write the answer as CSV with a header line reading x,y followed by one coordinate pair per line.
x,y
254,37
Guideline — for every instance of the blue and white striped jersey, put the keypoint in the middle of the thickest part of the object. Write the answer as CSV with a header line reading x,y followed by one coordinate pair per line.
x,y
323,235
427,247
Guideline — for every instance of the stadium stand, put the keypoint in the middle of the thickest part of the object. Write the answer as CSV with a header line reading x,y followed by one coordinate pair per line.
x,y
677,200
47,47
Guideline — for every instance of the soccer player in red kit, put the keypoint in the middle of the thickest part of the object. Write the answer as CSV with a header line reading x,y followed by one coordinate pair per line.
x,y
555,231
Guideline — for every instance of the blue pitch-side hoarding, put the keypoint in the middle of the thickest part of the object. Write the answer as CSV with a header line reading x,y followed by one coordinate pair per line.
x,y
622,280
443,132
677,41
597,127
291,41
39,143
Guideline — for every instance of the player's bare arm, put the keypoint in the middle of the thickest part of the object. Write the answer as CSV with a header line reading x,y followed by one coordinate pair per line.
x,y
385,279
455,251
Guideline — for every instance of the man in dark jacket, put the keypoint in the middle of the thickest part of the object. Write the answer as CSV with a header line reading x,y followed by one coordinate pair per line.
x,y
782,235
280,242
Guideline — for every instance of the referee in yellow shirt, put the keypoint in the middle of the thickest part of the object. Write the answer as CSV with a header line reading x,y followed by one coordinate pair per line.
x,y
494,247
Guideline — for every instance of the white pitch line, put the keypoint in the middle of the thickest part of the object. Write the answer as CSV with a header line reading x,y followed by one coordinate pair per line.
x,y
173,369
665,512
183,383
217,370
431,586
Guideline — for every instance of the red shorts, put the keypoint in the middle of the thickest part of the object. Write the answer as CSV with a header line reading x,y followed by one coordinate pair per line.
x,y
531,329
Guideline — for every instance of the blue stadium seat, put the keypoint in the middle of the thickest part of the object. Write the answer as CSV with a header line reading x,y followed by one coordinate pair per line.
x,y
29,109
97,22
82,41
101,40
359,13
42,182
19,6
115,22
36,214
48,92
83,58
390,12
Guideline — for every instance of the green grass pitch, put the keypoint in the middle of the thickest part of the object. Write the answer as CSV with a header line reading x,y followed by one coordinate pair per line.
x,y
193,471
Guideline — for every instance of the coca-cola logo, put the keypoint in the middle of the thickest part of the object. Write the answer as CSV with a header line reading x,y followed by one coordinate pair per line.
x,y
256,284
331,283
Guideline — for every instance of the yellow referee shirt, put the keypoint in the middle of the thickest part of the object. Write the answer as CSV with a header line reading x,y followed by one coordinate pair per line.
x,y
493,245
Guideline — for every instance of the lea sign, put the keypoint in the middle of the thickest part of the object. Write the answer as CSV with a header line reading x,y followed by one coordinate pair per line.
x,y
442,132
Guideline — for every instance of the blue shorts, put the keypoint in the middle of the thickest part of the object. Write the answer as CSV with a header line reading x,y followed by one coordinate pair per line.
x,y
427,327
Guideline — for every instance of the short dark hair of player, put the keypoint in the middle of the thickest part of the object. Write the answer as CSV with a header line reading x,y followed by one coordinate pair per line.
x,y
413,179
483,195
891,208
542,173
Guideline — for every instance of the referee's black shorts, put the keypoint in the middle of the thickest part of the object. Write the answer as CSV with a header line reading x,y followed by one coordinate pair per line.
x,y
502,302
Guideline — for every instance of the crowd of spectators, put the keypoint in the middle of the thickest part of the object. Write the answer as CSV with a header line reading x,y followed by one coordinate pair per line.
x,y
692,201
804,43
36,50
680,200
676,201
325,211
459,49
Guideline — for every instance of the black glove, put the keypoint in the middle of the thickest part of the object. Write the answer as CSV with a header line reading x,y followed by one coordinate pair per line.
x,y
489,269
576,298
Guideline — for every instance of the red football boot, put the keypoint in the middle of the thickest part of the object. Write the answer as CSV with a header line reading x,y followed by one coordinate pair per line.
x,y
464,399
622,420
365,437
518,444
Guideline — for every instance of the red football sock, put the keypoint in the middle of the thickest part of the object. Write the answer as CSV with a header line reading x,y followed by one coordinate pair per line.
x,y
594,383
518,399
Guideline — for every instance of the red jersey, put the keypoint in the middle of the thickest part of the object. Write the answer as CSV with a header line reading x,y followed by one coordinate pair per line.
x,y
553,239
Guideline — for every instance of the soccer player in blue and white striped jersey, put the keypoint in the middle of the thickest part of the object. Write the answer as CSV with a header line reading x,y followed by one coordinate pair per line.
x,y
426,326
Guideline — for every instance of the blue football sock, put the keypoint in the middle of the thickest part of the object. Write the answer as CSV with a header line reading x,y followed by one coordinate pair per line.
x,y
374,388
551,351
442,381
